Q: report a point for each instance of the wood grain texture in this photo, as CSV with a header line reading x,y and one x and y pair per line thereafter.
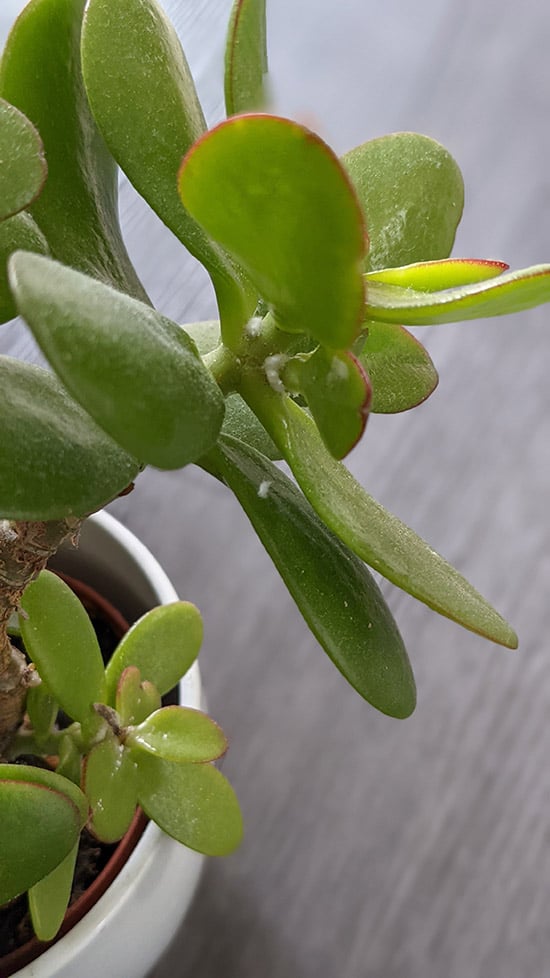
x,y
378,848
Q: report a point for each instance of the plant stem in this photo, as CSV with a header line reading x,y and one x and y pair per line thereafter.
x,y
25,548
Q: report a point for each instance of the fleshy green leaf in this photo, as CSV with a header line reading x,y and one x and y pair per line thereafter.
x,y
430,276
508,293
42,710
137,373
338,392
18,233
401,370
23,170
246,57
144,101
179,734
376,536
110,782
39,829
163,644
55,460
77,211
333,589
135,700
49,898
276,198
193,803
41,815
61,641
412,194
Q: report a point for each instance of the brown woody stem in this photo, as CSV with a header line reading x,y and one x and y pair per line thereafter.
x,y
25,548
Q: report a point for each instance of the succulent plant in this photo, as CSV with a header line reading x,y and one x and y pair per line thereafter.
x,y
319,265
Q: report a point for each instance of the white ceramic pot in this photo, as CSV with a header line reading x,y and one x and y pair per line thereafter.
x,y
127,930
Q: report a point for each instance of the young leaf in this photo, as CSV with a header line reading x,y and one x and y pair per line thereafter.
x,y
61,641
137,373
338,392
110,783
23,169
246,57
412,194
77,211
430,276
49,898
193,803
275,196
42,710
39,828
163,644
374,534
508,293
333,589
144,101
55,461
179,734
400,369
135,700
18,233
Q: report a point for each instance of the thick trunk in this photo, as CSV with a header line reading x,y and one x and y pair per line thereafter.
x,y
25,547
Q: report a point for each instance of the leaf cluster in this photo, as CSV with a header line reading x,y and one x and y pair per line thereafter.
x,y
121,748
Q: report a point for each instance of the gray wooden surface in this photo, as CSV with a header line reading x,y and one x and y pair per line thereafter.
x,y
377,848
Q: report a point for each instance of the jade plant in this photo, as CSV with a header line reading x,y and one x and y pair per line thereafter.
x,y
318,266
121,747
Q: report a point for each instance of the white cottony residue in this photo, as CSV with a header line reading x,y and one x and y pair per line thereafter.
x,y
263,489
273,366
253,326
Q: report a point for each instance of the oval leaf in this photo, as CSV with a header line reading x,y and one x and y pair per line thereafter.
x,y
144,101
135,700
412,195
401,370
19,233
163,644
274,195
179,734
110,783
334,591
39,828
137,373
193,803
23,169
77,211
338,392
60,639
508,293
374,534
246,57
49,898
55,460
